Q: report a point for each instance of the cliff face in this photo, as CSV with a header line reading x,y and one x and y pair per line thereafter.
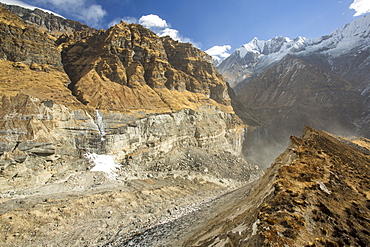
x,y
315,194
125,92
130,68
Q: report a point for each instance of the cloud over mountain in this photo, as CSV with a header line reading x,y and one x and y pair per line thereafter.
x,y
219,52
152,21
158,25
360,6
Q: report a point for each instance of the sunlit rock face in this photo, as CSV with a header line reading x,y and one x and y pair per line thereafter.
x,y
124,92
128,68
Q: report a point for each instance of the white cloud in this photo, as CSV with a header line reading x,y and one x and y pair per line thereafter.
x,y
174,34
152,21
158,25
360,6
218,52
93,14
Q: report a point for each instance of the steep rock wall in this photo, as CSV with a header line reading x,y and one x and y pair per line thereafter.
x,y
43,142
126,93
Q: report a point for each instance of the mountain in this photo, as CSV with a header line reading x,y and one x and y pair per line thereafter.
x,y
294,93
46,21
349,42
118,126
286,84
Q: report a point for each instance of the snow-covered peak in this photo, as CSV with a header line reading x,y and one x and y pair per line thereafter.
x,y
254,46
344,38
359,28
263,47
352,35
257,55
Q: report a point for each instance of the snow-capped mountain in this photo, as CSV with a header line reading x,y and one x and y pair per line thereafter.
x,y
256,56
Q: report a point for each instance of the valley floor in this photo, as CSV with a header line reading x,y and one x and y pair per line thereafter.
x,y
89,210
178,231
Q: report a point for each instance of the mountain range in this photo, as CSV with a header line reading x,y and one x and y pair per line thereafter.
x,y
346,43
286,84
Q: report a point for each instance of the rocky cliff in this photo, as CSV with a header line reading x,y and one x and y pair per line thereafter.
x,y
130,68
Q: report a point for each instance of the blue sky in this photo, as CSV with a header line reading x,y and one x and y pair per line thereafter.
x,y
224,24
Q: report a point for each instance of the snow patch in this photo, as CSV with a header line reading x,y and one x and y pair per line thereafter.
x,y
28,6
103,163
240,228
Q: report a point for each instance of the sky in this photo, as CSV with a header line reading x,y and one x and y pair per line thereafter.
x,y
215,26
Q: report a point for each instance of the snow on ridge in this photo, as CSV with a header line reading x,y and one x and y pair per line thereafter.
x,y
27,6
344,39
265,47
333,44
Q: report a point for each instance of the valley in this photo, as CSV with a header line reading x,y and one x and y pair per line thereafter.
x,y
120,137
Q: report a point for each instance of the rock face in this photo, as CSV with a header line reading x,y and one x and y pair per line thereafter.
x,y
125,92
129,68
315,194
20,42
294,93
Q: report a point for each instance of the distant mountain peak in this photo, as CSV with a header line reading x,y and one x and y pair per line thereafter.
x,y
263,47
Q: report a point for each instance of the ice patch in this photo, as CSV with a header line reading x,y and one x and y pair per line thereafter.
x,y
103,163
